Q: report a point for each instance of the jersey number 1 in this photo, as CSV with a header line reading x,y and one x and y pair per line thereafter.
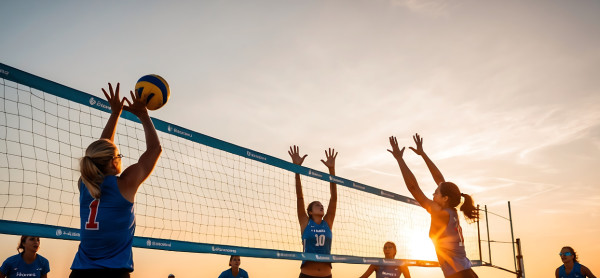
x,y
91,224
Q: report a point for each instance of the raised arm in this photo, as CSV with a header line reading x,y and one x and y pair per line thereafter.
x,y
409,177
435,172
137,173
330,163
302,216
116,107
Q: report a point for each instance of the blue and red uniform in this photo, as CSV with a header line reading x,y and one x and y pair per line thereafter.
x,y
107,229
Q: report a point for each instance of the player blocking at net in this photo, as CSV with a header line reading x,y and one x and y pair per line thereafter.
x,y
444,230
315,225
106,200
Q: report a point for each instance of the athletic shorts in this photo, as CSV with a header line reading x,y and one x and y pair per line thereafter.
x,y
99,273
467,273
302,275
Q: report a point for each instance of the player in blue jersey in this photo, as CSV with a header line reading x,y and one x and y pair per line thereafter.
x,y
315,225
106,200
28,263
571,267
445,230
387,271
235,271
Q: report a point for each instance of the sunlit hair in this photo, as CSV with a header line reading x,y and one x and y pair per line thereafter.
x,y
468,208
21,247
231,258
394,245
309,208
572,252
98,157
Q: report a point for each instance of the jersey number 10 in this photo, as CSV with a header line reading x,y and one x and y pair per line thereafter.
x,y
320,239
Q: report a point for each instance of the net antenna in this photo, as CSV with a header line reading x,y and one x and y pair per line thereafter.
x,y
501,243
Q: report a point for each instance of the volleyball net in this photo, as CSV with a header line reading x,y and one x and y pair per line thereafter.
x,y
205,195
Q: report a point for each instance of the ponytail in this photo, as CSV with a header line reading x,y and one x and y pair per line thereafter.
x,y
452,191
98,156
469,210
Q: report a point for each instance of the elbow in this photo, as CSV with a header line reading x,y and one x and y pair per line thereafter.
x,y
155,150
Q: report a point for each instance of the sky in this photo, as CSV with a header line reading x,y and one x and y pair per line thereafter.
x,y
505,94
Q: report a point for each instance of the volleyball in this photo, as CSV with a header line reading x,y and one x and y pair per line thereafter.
x,y
153,90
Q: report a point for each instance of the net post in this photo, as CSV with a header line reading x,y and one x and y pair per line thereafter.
x,y
479,234
487,224
520,265
512,234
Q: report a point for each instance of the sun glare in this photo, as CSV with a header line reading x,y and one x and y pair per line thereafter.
x,y
420,247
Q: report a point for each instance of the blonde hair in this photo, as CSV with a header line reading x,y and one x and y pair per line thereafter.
x,y
98,157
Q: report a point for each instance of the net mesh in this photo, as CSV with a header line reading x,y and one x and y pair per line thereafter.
x,y
196,193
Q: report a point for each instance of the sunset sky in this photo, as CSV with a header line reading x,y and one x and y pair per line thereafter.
x,y
505,93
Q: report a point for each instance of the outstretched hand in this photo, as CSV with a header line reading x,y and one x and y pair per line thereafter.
x,y
136,106
419,143
116,103
331,155
396,151
294,152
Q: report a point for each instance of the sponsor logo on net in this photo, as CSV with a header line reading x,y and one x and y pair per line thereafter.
x,y
370,261
355,185
60,232
94,102
178,131
219,249
314,174
333,179
285,255
157,243
322,257
257,156
4,72
340,259
383,193
390,261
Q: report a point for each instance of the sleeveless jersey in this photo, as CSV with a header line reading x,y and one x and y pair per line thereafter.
x,y
388,271
229,274
107,229
16,267
575,272
450,248
316,238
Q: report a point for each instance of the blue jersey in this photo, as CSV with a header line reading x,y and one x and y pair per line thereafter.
x,y
229,274
450,247
388,271
107,229
575,272
16,267
316,238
